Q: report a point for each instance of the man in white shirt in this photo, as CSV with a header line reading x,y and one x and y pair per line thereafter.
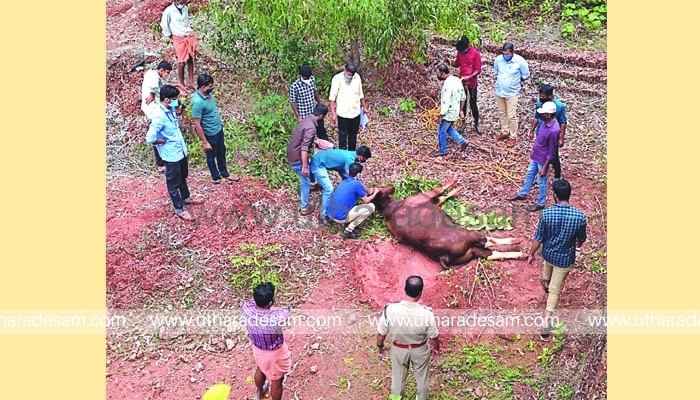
x,y
153,81
175,24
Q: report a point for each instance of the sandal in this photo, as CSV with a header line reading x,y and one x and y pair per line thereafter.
x,y
185,215
255,394
232,179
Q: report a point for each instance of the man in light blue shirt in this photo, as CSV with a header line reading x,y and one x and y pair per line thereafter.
x,y
510,70
164,132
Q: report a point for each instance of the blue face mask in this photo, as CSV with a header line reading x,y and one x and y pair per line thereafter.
x,y
174,103
208,90
507,57
464,51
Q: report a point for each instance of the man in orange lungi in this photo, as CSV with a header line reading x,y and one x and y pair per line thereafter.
x,y
175,23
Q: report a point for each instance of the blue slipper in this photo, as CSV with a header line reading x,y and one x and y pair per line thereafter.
x,y
255,394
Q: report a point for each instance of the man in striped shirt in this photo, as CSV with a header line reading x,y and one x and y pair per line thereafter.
x,y
264,325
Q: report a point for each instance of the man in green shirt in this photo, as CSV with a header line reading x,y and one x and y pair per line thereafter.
x,y
207,124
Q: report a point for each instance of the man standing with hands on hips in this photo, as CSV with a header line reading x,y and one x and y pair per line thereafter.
x,y
410,325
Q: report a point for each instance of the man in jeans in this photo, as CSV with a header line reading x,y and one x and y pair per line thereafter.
x,y
342,208
153,80
264,325
452,98
207,124
338,160
543,152
164,132
298,152
546,93
510,70
561,230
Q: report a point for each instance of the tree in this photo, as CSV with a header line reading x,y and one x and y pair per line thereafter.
x,y
288,33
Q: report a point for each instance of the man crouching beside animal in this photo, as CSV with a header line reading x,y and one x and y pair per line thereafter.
x,y
421,223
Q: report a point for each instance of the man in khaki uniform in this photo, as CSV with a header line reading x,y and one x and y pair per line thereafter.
x,y
410,325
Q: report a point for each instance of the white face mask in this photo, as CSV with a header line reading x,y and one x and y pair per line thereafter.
x,y
179,6
307,81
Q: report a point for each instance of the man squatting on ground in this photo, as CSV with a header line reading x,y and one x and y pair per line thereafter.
x,y
342,208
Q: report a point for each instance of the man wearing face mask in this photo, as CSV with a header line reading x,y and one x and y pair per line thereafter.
x,y
546,93
469,62
175,23
510,70
452,98
164,133
207,124
346,97
303,96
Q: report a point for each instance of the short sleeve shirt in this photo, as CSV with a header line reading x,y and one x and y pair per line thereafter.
x,y
205,109
303,95
344,198
407,322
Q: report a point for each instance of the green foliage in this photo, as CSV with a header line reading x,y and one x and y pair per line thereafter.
x,y
272,128
279,35
409,185
596,265
406,105
463,215
385,111
591,14
252,266
565,392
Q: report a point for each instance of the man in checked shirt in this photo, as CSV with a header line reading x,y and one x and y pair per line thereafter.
x,y
561,230
264,325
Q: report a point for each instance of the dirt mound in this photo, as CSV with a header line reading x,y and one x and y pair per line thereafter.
x,y
380,271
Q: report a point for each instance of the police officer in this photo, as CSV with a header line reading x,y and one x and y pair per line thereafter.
x,y
410,325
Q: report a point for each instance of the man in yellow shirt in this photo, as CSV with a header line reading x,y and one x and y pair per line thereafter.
x,y
346,98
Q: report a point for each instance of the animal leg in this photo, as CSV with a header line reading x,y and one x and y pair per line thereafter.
x,y
492,241
444,198
507,255
443,260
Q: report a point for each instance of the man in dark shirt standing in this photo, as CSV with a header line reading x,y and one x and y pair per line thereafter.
x,y
561,230
298,152
264,325
543,153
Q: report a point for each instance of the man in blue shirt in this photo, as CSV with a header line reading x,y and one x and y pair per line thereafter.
x,y
342,208
164,132
207,124
339,160
546,93
510,70
561,230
